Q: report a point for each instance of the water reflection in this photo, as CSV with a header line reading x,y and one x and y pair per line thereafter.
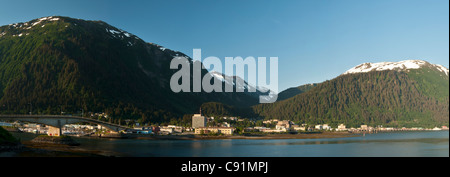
x,y
389,145
324,142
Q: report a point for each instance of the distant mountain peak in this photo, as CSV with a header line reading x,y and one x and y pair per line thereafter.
x,y
398,66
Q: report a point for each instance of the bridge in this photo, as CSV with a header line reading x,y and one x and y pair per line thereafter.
x,y
56,122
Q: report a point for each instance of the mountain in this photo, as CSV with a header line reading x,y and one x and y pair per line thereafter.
x,y
249,89
55,64
407,93
291,92
396,66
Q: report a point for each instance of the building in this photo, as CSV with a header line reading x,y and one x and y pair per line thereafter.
x,y
177,129
285,124
326,127
273,130
341,128
364,128
270,121
261,128
198,120
318,127
220,130
166,130
300,128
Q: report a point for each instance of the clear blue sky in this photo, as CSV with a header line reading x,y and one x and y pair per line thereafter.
x,y
315,40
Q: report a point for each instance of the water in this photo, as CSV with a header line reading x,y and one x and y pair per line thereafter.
x,y
396,144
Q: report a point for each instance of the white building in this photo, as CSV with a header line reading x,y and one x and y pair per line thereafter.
x,y
300,128
341,128
272,131
166,129
318,127
226,124
364,127
326,127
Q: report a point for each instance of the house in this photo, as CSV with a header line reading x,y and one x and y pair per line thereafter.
x,y
283,125
364,128
318,127
280,127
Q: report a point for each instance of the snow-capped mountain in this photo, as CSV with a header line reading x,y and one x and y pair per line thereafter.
x,y
79,63
233,80
24,29
398,66
240,83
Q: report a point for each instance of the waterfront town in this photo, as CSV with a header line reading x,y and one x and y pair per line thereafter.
x,y
208,126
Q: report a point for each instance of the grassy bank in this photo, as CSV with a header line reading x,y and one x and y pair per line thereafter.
x,y
6,137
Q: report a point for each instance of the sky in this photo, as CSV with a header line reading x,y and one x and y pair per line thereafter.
x,y
314,40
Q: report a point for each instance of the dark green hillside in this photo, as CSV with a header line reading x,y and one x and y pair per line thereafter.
x,y
59,63
431,82
215,109
6,138
291,92
388,98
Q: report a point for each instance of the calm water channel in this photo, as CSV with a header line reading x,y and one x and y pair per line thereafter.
x,y
396,144
410,144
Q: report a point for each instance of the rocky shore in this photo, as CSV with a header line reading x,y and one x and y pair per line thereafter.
x,y
46,146
61,140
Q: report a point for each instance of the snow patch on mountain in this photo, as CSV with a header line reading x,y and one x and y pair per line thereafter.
x,y
28,26
441,68
241,84
402,65
218,76
44,19
119,34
